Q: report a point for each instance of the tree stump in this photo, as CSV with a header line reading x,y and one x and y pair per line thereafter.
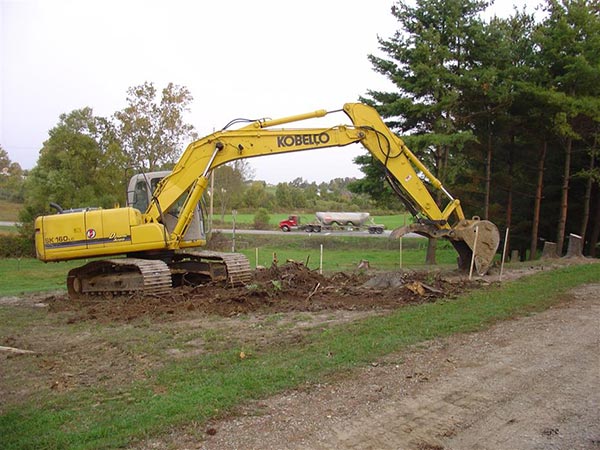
x,y
514,255
549,251
575,248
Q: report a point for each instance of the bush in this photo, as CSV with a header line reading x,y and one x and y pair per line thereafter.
x,y
16,246
218,242
262,219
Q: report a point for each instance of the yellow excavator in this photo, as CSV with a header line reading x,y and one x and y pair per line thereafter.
x,y
161,229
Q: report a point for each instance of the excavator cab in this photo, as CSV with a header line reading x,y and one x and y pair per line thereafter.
x,y
139,196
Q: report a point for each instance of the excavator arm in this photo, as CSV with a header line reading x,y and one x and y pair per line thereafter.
x,y
190,175
404,170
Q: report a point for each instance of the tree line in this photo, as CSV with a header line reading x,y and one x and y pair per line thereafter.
x,y
506,112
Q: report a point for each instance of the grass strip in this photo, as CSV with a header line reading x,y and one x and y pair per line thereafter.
x,y
22,275
200,388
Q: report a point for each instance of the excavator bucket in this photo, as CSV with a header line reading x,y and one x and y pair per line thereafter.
x,y
469,237
475,237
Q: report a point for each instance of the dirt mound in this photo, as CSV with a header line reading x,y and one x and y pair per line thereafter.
x,y
289,287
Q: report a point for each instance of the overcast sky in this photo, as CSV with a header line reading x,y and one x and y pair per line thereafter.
x,y
251,59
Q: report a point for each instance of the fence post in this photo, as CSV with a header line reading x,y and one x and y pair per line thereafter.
x,y
400,252
321,261
503,254
474,252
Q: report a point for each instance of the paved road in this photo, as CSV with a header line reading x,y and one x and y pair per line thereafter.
x,y
7,224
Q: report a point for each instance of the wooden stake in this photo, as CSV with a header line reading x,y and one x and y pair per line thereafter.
x,y
503,254
321,261
474,252
400,252
15,350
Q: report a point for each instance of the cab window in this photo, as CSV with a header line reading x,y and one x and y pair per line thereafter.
x,y
140,196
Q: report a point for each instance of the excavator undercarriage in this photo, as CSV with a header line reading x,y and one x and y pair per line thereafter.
x,y
126,276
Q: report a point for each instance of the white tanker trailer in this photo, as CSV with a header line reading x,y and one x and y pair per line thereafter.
x,y
351,219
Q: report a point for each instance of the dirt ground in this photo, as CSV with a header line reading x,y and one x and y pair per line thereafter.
x,y
103,342
531,383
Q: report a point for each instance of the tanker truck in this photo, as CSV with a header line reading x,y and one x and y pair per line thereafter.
x,y
331,221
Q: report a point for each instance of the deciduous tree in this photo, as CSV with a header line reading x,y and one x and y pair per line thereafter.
x,y
153,131
11,178
73,168
80,165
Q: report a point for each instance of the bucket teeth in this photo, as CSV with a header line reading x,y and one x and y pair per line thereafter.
x,y
474,236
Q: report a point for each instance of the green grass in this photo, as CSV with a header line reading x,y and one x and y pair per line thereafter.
x,y
246,219
30,275
343,260
9,211
200,388
8,229
340,253
393,221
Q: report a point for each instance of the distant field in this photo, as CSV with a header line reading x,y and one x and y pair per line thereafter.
x,y
8,230
9,211
30,275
